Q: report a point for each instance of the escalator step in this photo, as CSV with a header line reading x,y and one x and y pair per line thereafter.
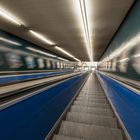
x,y
92,104
89,132
93,100
91,93
90,116
91,119
62,137
91,110
92,96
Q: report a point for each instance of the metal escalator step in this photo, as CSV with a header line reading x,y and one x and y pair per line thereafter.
x,y
91,119
95,94
92,104
62,137
92,96
91,91
89,132
91,110
92,100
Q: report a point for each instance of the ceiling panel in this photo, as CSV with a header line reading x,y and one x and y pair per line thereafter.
x,y
56,20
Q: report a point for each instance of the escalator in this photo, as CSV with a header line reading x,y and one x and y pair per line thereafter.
x,y
90,117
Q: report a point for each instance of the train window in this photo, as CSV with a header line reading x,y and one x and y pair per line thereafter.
x,y
3,64
1,60
48,64
40,63
53,65
14,60
58,65
30,62
62,65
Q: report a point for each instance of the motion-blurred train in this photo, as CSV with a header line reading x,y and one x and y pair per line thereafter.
x,y
18,55
124,61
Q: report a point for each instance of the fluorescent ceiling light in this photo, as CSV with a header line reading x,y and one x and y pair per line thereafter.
x,y
136,55
62,50
9,41
85,20
76,59
123,60
41,52
41,37
9,17
65,52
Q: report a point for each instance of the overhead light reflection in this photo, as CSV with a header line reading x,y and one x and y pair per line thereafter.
x,y
65,52
41,37
136,55
8,16
82,8
9,41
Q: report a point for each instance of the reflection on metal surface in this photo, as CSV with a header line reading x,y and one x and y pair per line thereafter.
x,y
41,37
11,42
65,52
83,9
5,14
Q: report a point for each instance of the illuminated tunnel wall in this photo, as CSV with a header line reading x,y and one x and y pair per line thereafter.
x,y
123,54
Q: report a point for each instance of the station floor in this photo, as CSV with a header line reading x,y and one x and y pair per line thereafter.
x,y
90,117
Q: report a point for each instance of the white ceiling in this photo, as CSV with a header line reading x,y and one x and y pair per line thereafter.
x,y
56,20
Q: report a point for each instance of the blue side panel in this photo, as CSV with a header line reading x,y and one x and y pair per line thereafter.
x,y
19,78
33,118
126,103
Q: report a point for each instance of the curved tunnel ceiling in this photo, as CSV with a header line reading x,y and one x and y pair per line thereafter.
x,y
58,21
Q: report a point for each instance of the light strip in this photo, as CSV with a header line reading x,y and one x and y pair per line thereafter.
x,y
41,52
136,55
76,59
9,17
86,27
62,50
65,52
123,60
41,37
9,41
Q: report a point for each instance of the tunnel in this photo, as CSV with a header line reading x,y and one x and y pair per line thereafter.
x,y
69,70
